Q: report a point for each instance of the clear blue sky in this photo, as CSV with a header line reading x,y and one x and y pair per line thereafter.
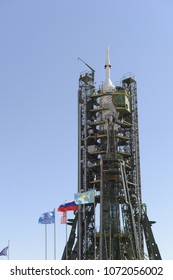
x,y
40,42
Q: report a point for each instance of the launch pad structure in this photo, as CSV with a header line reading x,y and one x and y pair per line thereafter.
x,y
116,225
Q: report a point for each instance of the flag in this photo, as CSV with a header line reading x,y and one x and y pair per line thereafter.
x,y
64,218
68,206
47,218
85,197
4,251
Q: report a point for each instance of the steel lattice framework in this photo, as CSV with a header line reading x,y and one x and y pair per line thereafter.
x,y
116,225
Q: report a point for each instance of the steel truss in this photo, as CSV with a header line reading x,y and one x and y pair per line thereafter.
x,y
116,225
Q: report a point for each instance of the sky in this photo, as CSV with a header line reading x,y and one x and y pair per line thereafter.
x,y
40,42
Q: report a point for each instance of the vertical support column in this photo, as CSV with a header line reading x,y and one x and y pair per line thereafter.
x,y
101,209
86,84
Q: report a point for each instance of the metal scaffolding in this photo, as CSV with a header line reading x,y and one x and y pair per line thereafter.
x,y
115,226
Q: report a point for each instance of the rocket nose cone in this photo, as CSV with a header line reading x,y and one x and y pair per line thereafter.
x,y
107,57
108,85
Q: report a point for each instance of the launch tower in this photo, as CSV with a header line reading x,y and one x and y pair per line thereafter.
x,y
115,226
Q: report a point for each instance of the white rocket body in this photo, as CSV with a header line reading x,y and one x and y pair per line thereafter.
x,y
108,85
106,100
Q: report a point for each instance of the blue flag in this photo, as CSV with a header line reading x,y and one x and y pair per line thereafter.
x,y
85,197
47,218
4,251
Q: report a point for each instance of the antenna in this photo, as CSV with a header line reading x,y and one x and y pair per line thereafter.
x,y
87,65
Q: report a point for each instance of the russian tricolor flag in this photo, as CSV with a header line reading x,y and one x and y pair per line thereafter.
x,y
68,206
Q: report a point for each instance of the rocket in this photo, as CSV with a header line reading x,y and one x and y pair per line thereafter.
x,y
107,85
106,100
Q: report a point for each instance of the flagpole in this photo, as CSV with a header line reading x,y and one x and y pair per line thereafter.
x,y
55,235
8,250
66,239
45,241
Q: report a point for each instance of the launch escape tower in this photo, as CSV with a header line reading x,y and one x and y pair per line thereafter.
x,y
115,226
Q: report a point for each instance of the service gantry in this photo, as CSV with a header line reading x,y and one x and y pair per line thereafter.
x,y
116,226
